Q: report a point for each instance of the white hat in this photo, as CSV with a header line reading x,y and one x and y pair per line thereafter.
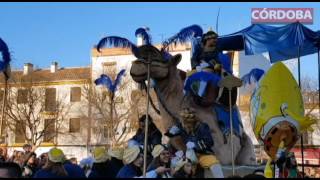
x,y
116,153
157,150
131,154
100,155
56,155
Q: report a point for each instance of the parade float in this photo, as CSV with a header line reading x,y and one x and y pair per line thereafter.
x,y
277,113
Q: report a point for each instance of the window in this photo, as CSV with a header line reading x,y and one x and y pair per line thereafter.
x,y
1,95
110,68
19,133
75,94
22,96
49,128
105,131
3,127
50,102
74,125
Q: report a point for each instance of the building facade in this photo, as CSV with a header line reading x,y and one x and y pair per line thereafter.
x,y
83,125
44,90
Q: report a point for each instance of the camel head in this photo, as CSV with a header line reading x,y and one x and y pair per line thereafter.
x,y
161,64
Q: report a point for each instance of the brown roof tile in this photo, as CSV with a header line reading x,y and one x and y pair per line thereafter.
x,y
44,76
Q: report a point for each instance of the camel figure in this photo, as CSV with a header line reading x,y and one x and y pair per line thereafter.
x,y
169,90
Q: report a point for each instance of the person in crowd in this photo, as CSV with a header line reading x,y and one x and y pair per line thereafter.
x,y
43,158
291,166
13,156
161,158
27,148
30,167
28,152
183,169
19,158
115,163
54,166
73,160
100,166
154,135
86,165
197,137
3,154
10,170
133,160
73,169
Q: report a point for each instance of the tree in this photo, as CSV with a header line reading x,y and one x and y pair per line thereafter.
x,y
112,108
310,95
34,113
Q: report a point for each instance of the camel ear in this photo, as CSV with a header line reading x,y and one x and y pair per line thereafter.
x,y
176,59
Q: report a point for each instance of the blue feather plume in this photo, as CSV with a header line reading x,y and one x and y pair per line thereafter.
x,y
253,76
184,35
105,81
6,58
118,79
143,32
116,41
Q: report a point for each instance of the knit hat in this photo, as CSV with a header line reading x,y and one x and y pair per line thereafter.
x,y
56,155
130,154
100,155
157,150
116,153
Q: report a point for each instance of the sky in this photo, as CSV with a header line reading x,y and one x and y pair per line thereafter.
x,y
41,33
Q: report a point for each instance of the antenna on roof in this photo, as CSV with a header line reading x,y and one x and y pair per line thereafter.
x,y
217,21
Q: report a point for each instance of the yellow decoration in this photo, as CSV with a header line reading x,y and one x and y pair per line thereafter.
x,y
268,173
277,110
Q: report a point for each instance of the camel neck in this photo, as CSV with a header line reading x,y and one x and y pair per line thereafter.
x,y
170,95
171,86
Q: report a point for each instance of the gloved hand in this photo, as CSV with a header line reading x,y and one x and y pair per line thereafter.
x,y
190,154
174,130
179,154
190,145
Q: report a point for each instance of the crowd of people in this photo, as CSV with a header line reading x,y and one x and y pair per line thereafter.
x,y
109,163
163,160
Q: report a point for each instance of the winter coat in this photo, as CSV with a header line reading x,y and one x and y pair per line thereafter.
x,y
74,170
129,171
114,166
47,174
